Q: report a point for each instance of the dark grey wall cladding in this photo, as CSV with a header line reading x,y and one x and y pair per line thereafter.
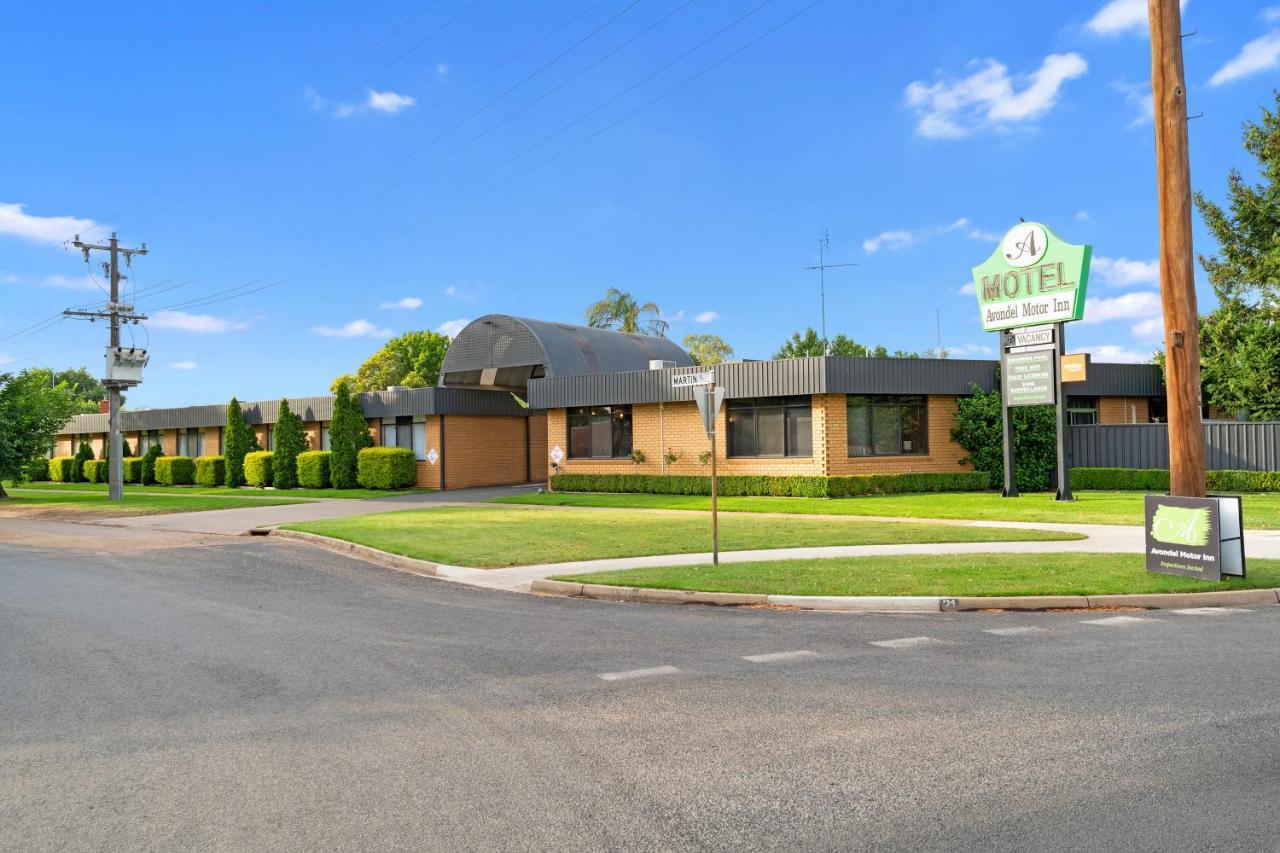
x,y
378,404
1228,446
908,375
1120,380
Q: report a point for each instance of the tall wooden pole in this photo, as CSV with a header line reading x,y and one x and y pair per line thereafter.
x,y
1177,273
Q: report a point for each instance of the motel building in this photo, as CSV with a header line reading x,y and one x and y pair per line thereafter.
x,y
520,399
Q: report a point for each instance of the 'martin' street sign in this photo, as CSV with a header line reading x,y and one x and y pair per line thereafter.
x,y
689,380
1033,277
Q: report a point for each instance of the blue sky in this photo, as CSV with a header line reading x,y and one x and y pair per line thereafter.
x,y
411,165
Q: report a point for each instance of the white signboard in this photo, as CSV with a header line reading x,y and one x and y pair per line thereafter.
x,y
432,456
1033,336
557,454
689,380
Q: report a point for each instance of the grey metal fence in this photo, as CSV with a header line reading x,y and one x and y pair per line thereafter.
x,y
1228,445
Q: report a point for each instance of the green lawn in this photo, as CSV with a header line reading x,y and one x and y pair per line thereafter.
x,y
218,490
951,575
1261,511
133,504
492,537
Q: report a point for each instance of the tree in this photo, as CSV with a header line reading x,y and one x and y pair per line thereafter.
x,y
87,391
620,311
31,414
707,349
149,458
1240,340
290,441
978,430
808,343
348,435
83,454
413,360
237,440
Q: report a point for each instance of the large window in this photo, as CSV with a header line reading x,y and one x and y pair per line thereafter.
x,y
770,426
1082,411
600,432
887,425
191,442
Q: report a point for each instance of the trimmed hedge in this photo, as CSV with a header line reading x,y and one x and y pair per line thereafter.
x,y
386,468
175,470
1157,480
749,485
36,471
313,469
211,470
96,471
60,468
258,470
132,469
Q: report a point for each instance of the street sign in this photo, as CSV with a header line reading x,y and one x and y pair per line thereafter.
x,y
689,380
1028,378
1075,367
709,400
1033,277
432,456
1194,537
557,454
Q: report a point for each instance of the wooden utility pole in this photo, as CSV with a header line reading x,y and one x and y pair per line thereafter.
x,y
1177,273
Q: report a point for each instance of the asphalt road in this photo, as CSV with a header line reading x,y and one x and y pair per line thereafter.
x,y
246,694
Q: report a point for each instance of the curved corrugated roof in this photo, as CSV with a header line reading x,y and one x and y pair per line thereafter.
x,y
502,350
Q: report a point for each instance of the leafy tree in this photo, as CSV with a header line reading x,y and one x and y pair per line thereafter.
x,y
809,343
619,310
413,359
237,440
86,390
707,349
31,414
1240,340
290,441
978,430
83,454
149,464
348,435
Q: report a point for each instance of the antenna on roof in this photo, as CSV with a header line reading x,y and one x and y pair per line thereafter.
x,y
824,246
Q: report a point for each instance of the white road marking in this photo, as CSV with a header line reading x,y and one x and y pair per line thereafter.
x,y
775,657
1014,632
905,642
1210,611
1118,620
637,673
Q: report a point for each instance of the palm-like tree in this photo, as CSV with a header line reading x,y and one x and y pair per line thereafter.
x,y
619,310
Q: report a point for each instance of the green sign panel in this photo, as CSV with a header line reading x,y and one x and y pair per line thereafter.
x,y
1030,378
1032,277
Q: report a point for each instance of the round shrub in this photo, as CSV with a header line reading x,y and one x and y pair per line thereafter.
x,y
175,470
258,470
95,471
313,469
386,468
149,464
60,469
37,471
211,471
132,469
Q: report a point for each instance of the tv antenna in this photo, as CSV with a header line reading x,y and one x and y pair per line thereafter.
x,y
824,246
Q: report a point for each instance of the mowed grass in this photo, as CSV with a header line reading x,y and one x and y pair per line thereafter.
x,y
219,491
492,537
950,575
1261,511
133,504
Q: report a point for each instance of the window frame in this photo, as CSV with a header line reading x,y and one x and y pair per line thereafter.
x,y
1071,410
882,401
742,409
621,430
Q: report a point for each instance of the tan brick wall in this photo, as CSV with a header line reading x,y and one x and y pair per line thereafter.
x,y
64,447
169,442
212,441
1123,410
943,454
428,474
311,430
537,429
484,451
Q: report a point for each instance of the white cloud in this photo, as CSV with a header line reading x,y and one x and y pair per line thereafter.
x,y
891,240
1122,272
409,303
1138,95
389,102
950,109
1261,54
677,317
984,236
452,327
1121,17
68,282
1140,305
958,224
197,323
1149,330
968,289
314,99
442,70
1115,353
1271,14
10,278
1083,216
184,365
969,350
706,316
451,290
355,329
6,359
41,229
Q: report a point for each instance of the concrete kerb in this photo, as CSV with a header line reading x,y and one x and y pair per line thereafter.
x,y
850,603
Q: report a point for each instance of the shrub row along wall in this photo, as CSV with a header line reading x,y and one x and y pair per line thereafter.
x,y
1157,480
734,485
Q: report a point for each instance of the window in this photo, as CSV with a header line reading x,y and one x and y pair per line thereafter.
x,y
388,433
191,442
419,440
324,435
271,437
149,439
770,426
404,431
1082,411
600,432
887,425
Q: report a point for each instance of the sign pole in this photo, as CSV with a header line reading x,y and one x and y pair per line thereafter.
x,y
1064,468
1010,489
715,518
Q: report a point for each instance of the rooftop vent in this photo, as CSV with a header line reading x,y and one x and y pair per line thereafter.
x,y
660,364
397,387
